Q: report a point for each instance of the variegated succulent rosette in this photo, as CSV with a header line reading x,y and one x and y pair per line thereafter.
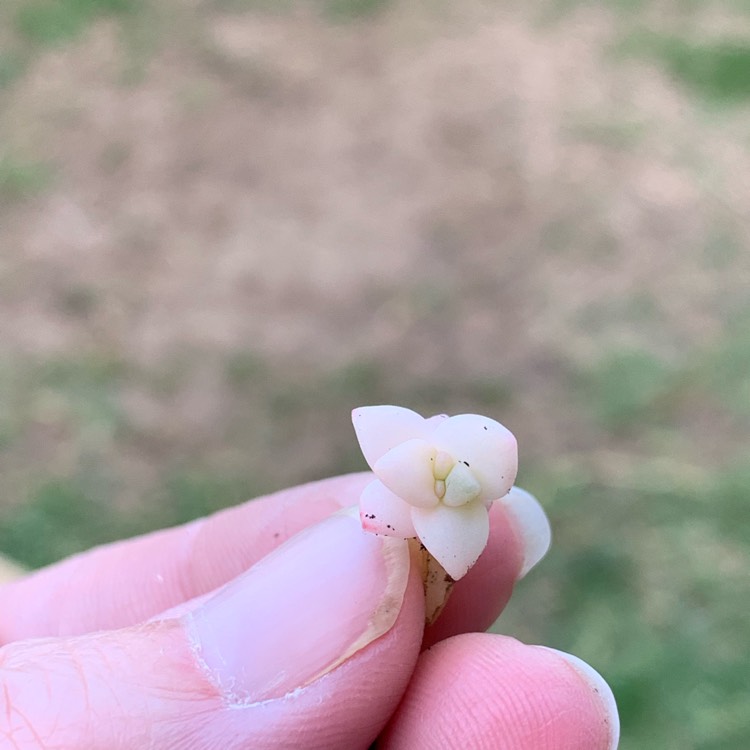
x,y
436,479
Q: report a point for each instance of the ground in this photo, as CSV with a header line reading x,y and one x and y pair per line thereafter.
x,y
225,223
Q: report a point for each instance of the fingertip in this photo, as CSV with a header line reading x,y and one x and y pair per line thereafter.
x,y
601,689
480,690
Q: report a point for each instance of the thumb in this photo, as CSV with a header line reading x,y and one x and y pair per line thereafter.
x,y
312,647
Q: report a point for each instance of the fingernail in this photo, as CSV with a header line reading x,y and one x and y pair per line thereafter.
x,y
301,611
603,693
532,525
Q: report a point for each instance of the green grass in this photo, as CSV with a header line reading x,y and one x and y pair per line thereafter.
x,y
245,368
550,12
12,67
189,493
85,392
49,22
60,517
726,371
75,398
716,70
64,515
21,179
625,389
713,69
722,249
344,10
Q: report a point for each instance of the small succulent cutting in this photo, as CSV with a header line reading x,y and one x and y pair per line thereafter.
x,y
435,479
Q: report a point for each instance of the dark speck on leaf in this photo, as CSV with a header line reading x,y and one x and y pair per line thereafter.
x,y
465,463
485,427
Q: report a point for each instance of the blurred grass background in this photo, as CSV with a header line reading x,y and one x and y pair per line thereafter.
x,y
226,223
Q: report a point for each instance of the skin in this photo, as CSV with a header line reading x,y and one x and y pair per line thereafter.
x,y
99,651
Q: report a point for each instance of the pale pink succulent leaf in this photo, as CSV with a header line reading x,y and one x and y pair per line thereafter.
x,y
528,516
382,512
406,470
381,428
485,447
455,537
431,423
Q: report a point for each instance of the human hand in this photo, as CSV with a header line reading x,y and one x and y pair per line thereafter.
x,y
205,637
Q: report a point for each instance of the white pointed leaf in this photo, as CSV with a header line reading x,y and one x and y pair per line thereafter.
x,y
461,486
382,512
489,449
380,428
406,470
455,537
